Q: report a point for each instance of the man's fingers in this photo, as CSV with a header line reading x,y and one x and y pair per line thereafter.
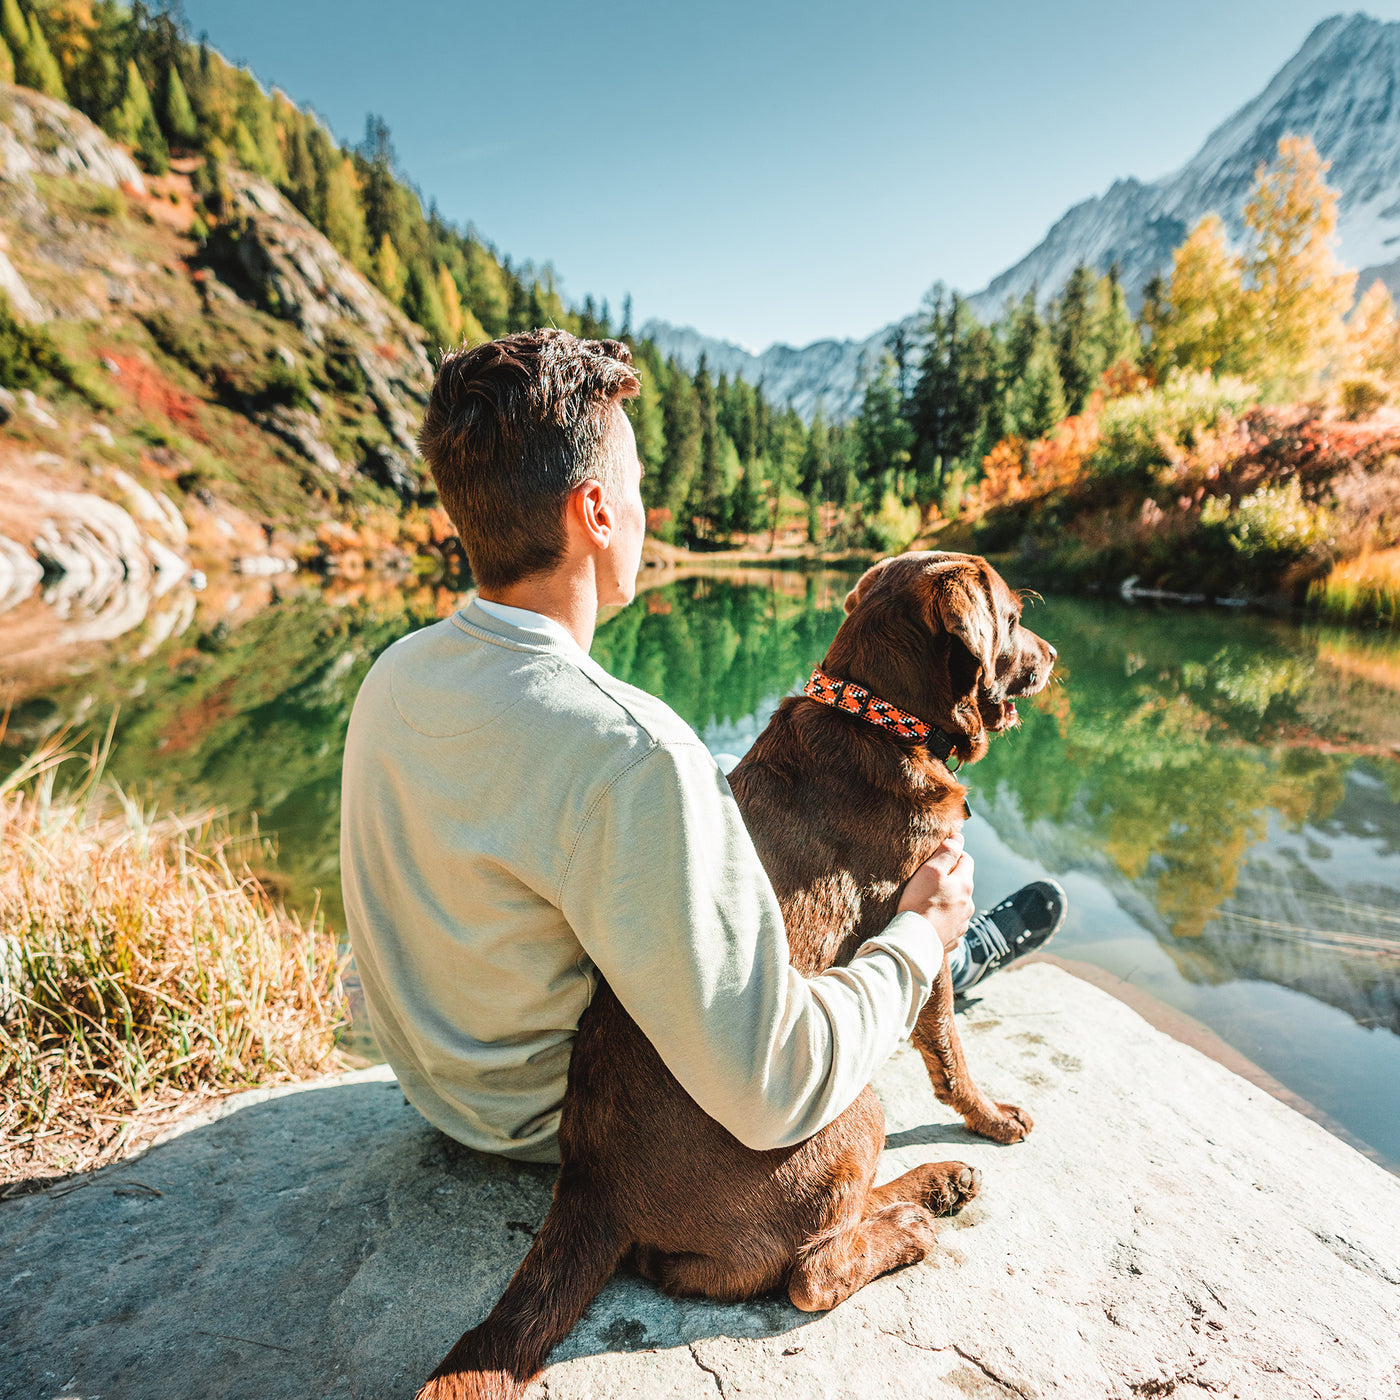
x,y
946,856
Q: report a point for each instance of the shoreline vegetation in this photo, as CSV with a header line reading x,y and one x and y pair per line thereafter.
x,y
143,968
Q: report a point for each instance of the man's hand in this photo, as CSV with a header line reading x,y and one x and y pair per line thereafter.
x,y
941,890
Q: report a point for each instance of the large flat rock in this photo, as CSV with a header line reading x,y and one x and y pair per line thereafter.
x,y
1167,1229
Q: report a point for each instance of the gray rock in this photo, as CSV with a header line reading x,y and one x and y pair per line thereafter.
x,y
1167,1229
389,469
301,430
41,134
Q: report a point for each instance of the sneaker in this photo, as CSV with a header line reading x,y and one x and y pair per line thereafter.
x,y
1022,923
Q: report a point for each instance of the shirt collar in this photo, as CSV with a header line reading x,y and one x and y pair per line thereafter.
x,y
537,627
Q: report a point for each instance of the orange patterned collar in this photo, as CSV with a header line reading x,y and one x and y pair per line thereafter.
x,y
856,700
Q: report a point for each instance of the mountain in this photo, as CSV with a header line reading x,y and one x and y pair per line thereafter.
x,y
829,372
1342,88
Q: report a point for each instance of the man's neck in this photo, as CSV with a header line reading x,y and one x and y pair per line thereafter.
x,y
568,596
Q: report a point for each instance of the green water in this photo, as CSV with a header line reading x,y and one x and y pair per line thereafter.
x,y
1219,794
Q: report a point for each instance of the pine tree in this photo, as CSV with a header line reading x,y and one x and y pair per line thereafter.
x,y
707,493
14,29
134,122
1070,331
1113,334
34,61
303,186
683,430
343,218
1299,291
1036,401
180,123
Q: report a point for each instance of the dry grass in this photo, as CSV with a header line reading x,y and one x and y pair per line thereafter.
x,y
142,967
1365,587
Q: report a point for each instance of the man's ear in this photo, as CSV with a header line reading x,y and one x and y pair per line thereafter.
x,y
588,504
961,604
853,597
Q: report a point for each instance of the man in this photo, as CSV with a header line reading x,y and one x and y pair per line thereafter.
x,y
516,822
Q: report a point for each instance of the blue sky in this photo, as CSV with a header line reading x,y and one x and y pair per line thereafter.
x,y
769,170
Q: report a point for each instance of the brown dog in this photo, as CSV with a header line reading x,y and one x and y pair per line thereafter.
x,y
842,815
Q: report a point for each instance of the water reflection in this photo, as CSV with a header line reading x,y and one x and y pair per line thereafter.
x,y
1218,793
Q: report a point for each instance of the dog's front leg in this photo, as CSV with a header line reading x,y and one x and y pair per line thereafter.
x,y
937,1040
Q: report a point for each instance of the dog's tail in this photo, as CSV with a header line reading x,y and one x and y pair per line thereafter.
x,y
573,1256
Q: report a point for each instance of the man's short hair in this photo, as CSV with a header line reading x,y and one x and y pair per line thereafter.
x,y
511,428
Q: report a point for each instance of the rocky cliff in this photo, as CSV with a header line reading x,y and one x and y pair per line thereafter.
x,y
225,382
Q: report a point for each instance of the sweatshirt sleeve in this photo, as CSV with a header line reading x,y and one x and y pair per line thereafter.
x,y
667,896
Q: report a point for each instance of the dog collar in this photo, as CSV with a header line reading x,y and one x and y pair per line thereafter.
x,y
855,700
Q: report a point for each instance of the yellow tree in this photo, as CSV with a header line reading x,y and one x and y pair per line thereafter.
x,y
1298,291
1373,337
1205,323
389,271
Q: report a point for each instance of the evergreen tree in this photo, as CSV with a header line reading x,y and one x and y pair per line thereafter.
x,y
1113,334
885,437
1070,331
683,430
343,218
180,124
134,122
303,185
645,411
1036,401
423,303
708,497
14,29
35,65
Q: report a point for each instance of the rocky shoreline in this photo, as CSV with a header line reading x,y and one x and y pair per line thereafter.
x,y
1168,1229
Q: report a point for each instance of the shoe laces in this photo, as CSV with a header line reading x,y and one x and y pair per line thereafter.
x,y
989,936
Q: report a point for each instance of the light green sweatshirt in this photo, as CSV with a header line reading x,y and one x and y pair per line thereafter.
x,y
515,823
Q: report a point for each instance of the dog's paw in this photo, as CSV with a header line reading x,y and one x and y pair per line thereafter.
x,y
950,1186
1008,1124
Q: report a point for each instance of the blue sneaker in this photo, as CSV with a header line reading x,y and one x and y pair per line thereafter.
x,y
1022,923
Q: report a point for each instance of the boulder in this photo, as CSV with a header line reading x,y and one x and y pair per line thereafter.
x,y
1167,1229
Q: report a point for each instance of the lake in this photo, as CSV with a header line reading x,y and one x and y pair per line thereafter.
x,y
1219,794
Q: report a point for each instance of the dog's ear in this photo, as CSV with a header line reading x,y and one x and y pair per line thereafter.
x,y
853,597
961,602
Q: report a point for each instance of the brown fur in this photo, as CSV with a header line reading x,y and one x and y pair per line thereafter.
x,y
842,815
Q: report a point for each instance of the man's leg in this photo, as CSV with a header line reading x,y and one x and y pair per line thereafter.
x,y
1022,923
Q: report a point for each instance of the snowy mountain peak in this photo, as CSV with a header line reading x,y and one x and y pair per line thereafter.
x,y
1342,88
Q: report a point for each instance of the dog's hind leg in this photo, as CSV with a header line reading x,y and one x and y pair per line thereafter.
x,y
755,1265
937,1040
838,1263
941,1187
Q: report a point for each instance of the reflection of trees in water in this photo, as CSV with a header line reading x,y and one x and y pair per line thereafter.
x,y
249,720
1202,760
722,649
1200,756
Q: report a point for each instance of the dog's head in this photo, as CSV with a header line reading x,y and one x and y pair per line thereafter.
x,y
940,635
